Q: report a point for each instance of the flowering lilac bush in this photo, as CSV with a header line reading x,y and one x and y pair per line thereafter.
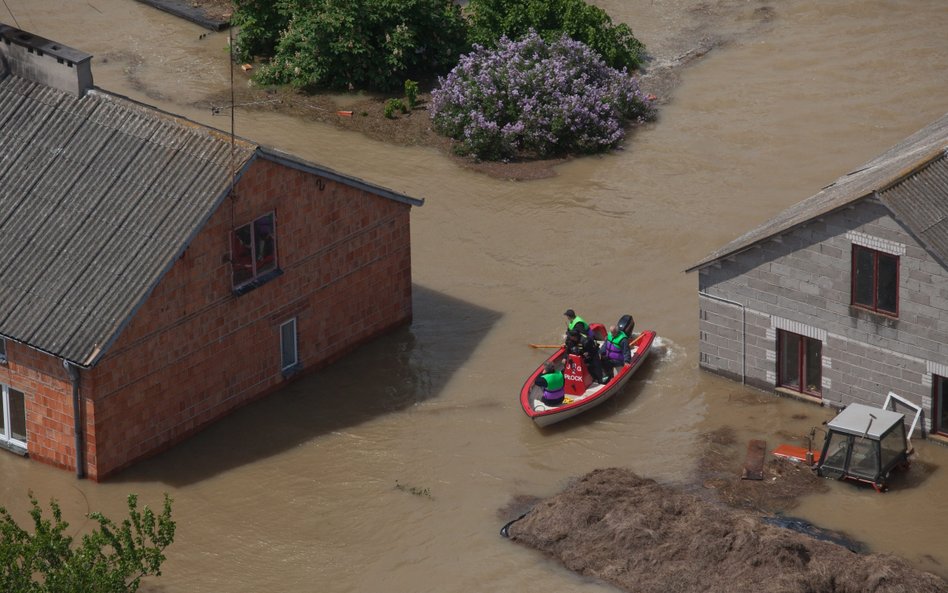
x,y
533,98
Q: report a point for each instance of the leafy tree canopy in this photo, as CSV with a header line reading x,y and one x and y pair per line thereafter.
x,y
492,19
346,44
260,23
111,559
532,98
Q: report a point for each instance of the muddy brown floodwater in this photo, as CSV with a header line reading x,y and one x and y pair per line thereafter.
x,y
386,471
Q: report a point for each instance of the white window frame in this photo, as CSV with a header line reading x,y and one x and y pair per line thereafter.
x,y
5,404
296,351
891,403
255,273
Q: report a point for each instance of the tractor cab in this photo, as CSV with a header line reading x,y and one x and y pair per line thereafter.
x,y
864,444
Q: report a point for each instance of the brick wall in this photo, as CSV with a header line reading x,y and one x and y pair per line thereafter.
x,y
47,391
194,351
800,282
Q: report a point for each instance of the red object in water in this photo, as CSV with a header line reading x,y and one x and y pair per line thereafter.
x,y
795,453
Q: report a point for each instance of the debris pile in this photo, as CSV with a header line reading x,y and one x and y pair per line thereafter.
x,y
647,538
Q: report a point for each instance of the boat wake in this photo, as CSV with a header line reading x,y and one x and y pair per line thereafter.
x,y
666,349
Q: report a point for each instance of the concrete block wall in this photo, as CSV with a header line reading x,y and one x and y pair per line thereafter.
x,y
800,281
195,351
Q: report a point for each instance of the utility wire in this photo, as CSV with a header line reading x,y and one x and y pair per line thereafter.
x,y
11,14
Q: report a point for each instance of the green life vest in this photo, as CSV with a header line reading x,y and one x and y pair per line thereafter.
x,y
577,320
617,339
554,380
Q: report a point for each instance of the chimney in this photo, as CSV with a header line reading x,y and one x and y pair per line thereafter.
x,y
34,58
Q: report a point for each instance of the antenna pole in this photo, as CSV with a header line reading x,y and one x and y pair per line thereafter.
x,y
233,107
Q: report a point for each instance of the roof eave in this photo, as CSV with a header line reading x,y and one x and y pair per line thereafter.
x,y
99,352
295,163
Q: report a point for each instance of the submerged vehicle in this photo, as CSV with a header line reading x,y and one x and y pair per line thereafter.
x,y
865,444
582,393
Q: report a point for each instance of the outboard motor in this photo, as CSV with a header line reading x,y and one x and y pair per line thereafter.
x,y
626,324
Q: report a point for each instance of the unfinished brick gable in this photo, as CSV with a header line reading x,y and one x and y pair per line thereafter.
x,y
195,350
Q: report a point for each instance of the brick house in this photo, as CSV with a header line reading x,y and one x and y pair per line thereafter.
x,y
159,273
843,297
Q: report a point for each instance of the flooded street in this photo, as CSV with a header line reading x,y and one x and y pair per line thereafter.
x,y
386,471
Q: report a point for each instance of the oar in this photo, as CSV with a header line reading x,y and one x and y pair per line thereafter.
x,y
546,345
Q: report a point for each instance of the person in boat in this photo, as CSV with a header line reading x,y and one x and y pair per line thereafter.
x,y
587,348
575,322
574,342
593,358
553,383
615,352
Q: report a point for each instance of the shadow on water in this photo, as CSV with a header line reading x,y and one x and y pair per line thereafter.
x,y
396,371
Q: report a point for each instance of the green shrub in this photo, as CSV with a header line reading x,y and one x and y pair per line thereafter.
x,y
360,44
393,105
492,19
111,559
259,23
411,93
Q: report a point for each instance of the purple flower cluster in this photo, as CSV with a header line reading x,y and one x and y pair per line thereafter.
x,y
533,98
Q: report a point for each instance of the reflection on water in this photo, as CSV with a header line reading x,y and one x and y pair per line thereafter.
x,y
300,491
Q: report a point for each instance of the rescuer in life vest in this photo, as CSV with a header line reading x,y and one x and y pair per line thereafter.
x,y
587,349
553,383
574,322
615,352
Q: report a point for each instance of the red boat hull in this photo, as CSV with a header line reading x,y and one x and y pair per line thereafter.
x,y
542,415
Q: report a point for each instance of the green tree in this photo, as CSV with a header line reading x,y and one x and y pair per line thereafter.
x,y
492,19
111,559
259,23
347,44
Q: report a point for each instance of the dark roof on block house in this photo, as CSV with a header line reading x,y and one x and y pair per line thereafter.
x,y
910,179
99,196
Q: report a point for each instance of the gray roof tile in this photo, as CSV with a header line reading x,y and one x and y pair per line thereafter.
x,y
98,195
910,178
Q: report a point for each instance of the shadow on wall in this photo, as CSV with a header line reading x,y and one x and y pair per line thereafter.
x,y
409,365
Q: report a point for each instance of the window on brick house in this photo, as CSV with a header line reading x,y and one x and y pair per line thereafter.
x,y
875,280
253,250
800,363
13,418
940,405
288,354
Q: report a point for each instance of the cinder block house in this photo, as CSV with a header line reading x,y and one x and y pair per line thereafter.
x,y
158,274
843,297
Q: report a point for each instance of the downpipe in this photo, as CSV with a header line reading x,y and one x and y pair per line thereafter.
x,y
73,371
743,330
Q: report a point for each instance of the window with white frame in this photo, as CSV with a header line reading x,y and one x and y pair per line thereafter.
x,y
253,250
288,353
13,418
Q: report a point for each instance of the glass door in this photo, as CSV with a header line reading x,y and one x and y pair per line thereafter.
x,y
800,363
